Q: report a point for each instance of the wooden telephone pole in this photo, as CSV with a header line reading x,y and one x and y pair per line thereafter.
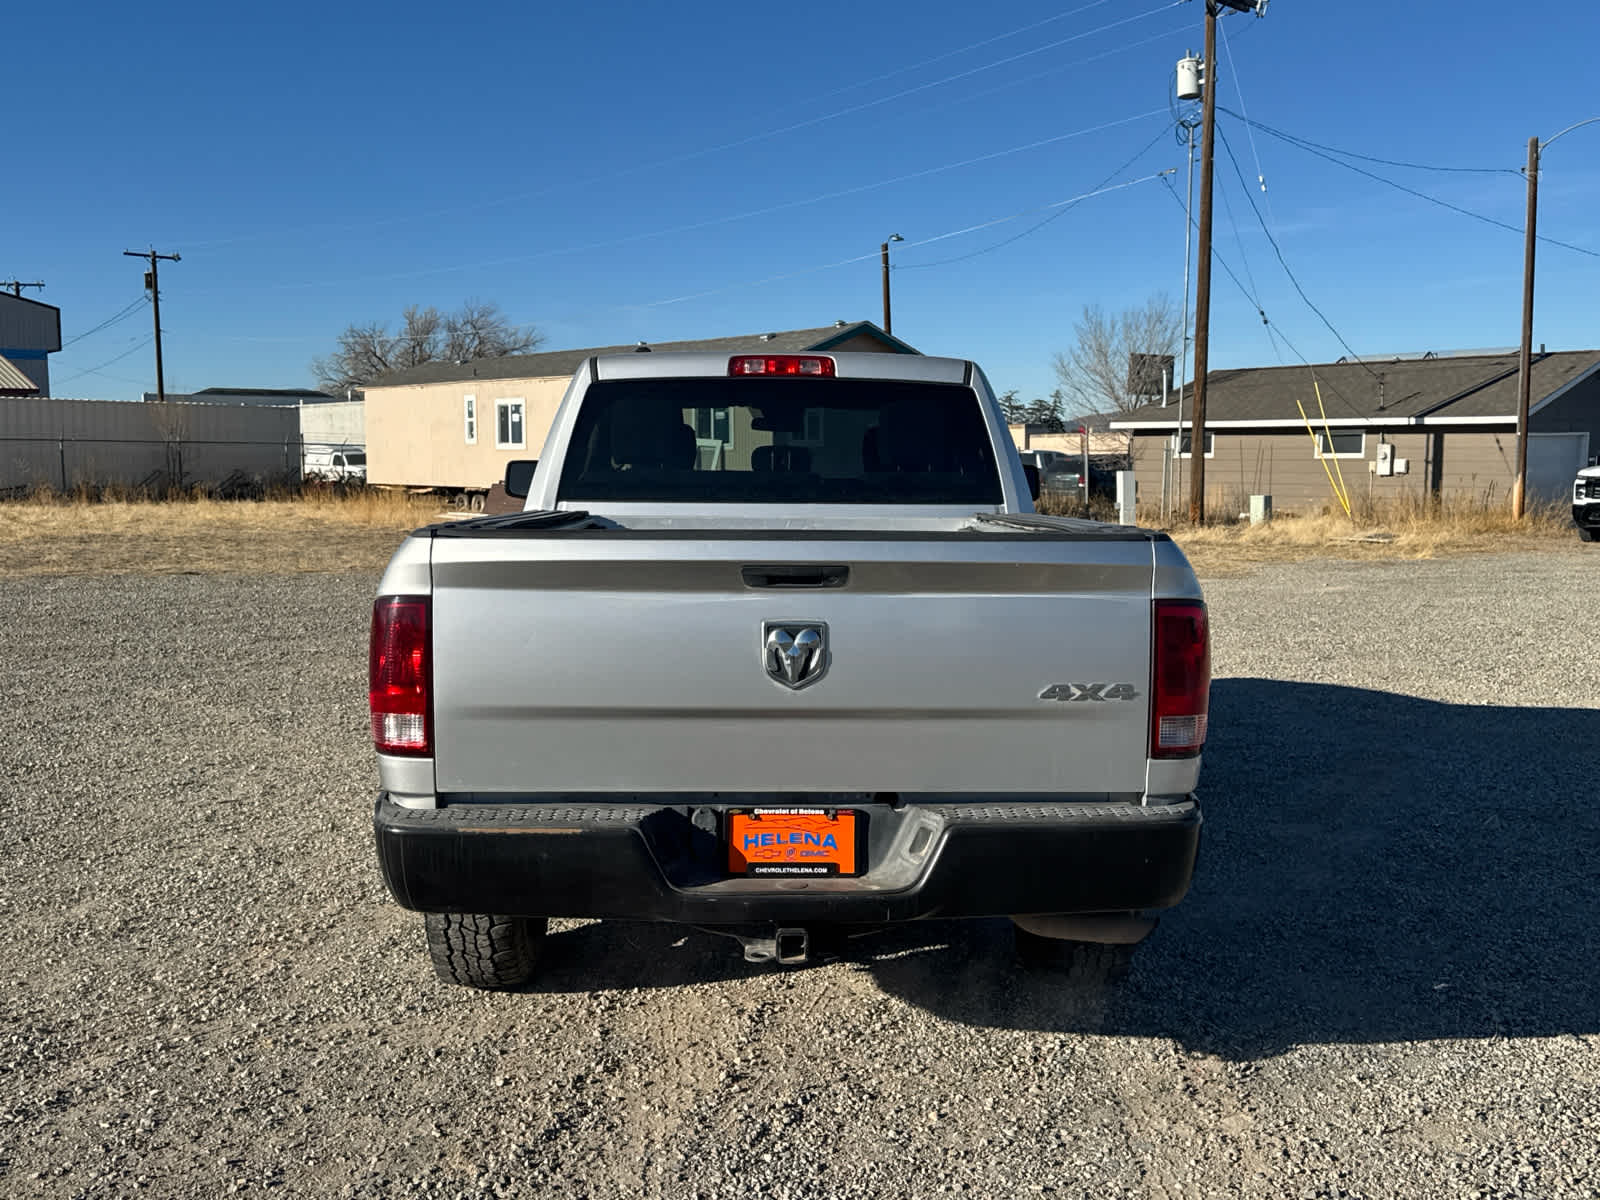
x,y
1536,149
1202,291
1519,492
152,280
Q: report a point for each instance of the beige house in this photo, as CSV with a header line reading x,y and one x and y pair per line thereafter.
x,y
1103,442
1392,428
457,425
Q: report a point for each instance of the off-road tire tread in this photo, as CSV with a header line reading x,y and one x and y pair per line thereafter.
x,y
484,951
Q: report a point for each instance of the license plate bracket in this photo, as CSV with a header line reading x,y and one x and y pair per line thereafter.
x,y
796,842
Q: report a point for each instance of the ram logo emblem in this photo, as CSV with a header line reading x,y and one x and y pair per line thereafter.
x,y
1097,692
795,652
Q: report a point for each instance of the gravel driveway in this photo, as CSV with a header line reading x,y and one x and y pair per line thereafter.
x,y
1384,983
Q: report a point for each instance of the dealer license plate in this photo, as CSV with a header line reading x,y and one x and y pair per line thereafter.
x,y
794,841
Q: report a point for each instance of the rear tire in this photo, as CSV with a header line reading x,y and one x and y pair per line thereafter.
x,y
1588,535
1078,962
483,951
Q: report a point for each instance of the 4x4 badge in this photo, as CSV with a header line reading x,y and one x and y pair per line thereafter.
x,y
795,652
1090,691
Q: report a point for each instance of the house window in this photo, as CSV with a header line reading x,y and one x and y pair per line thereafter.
x,y
1341,445
1182,442
814,426
470,407
508,425
711,425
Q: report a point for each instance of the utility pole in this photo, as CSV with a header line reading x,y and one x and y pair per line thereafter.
x,y
16,286
888,326
1202,288
1536,150
152,281
1188,89
1519,492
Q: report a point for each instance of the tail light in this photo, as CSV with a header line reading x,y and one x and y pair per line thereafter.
x,y
400,676
781,364
1180,687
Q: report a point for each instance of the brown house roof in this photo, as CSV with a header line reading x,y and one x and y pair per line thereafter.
x,y
1473,385
565,362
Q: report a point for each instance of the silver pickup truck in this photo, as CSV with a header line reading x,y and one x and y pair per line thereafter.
x,y
777,648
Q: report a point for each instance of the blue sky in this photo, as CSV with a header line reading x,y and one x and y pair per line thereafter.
x,y
616,172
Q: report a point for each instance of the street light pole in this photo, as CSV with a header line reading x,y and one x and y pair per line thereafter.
x,y
888,326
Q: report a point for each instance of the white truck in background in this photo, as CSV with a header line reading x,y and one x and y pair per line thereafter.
x,y
335,464
1586,503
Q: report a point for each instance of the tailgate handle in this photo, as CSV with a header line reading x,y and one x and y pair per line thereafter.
x,y
801,575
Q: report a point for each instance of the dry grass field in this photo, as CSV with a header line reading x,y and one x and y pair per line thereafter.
x,y
1396,533
49,535
1372,533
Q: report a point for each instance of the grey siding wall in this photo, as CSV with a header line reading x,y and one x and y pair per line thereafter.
x,y
62,443
28,325
1576,412
1469,464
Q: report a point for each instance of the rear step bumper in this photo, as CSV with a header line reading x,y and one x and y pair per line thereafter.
x,y
661,862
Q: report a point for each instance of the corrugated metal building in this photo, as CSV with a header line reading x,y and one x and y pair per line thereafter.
x,y
64,443
261,396
30,331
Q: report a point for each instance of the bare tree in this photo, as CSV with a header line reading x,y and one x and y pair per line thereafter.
x,y
171,421
477,330
480,330
1095,371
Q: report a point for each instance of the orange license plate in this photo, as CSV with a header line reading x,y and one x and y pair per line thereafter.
x,y
794,841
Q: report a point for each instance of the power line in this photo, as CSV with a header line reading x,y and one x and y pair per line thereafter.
x,y
737,143
120,315
1020,80
1307,143
948,54
1238,239
1255,303
694,226
844,262
1309,148
1282,262
1238,90
921,87
96,370
1065,206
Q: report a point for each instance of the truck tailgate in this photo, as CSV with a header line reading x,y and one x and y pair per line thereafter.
x,y
625,663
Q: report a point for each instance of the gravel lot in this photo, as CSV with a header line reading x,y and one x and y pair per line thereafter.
x,y
1383,984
